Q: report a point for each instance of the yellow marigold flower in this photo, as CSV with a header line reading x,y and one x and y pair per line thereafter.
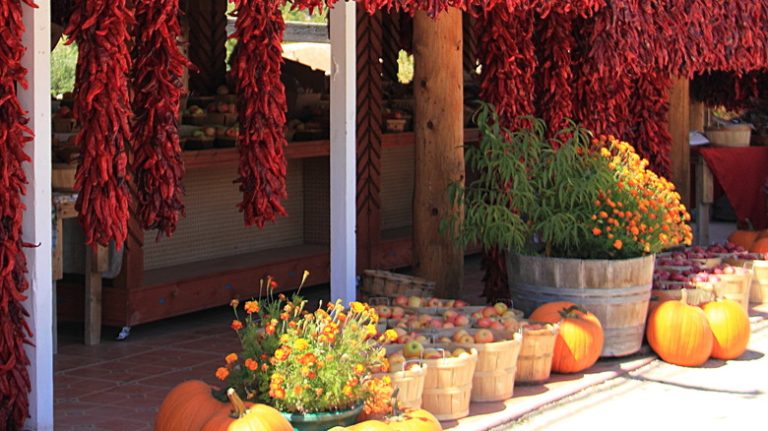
x,y
391,335
231,358
347,391
236,325
371,330
356,307
359,369
300,344
618,244
222,373
284,338
251,364
279,393
282,353
252,307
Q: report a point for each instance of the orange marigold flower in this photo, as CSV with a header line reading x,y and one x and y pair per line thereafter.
x,y
270,329
273,284
618,244
319,391
231,358
222,373
279,393
603,214
284,316
297,390
252,307
359,369
282,353
264,367
251,364
596,231
236,325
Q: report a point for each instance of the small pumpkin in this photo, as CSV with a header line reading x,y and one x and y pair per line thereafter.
x,y
679,333
188,406
730,328
580,337
238,417
743,238
759,246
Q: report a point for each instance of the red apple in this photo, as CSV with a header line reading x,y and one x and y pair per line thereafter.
x,y
401,300
461,320
397,312
459,303
489,312
483,322
450,316
448,325
434,302
496,325
383,311
431,353
459,334
414,301
483,336
500,308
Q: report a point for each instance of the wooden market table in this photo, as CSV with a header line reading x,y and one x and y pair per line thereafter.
x,y
741,172
96,262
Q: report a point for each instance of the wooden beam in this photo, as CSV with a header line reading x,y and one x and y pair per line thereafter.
x,y
95,263
343,157
35,99
207,21
679,128
439,133
704,200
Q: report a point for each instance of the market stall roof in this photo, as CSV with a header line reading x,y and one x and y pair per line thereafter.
x,y
315,55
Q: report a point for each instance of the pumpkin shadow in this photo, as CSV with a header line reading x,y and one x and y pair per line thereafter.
x,y
750,355
713,363
529,389
486,408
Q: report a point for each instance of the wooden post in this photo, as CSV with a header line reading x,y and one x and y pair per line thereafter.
x,y
37,226
343,148
207,45
679,127
96,262
439,134
704,200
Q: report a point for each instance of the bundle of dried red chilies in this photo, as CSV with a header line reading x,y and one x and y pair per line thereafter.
x,y
14,134
157,87
261,109
650,108
554,78
102,108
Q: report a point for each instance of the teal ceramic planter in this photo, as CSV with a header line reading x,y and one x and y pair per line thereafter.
x,y
322,421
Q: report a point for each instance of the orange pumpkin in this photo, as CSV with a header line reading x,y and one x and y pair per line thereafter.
x,y
743,238
730,328
759,246
408,420
580,338
679,333
188,406
238,417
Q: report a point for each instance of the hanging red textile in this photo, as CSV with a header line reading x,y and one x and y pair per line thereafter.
x,y
157,87
261,109
14,135
102,108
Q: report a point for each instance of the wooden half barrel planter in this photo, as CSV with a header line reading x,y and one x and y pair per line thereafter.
x,y
616,291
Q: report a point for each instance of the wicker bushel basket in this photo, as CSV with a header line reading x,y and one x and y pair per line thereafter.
x,y
494,378
758,292
448,386
409,384
735,287
534,363
378,283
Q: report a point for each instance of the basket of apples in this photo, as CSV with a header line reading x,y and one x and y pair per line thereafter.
x,y
432,305
726,250
448,380
497,352
407,377
731,282
758,263
696,254
668,285
377,283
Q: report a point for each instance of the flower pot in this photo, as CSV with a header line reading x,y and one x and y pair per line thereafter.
x,y
616,291
322,421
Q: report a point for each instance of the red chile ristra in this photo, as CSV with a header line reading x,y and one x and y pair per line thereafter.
x,y
14,135
157,87
102,108
261,108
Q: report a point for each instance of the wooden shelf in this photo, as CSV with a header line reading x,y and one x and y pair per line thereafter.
x,y
300,149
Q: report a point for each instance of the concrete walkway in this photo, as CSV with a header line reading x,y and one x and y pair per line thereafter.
x,y
721,395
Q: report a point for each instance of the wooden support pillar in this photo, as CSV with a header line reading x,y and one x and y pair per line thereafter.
x,y
679,127
207,38
704,200
96,262
439,135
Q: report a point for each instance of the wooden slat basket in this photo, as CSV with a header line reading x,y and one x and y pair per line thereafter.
x,y
377,283
448,386
409,384
758,291
494,378
534,362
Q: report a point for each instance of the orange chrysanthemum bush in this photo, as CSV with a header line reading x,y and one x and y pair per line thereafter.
x,y
563,194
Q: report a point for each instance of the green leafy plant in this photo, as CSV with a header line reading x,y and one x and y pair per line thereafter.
x,y
538,195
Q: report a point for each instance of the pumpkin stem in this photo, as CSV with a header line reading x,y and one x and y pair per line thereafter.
x,y
571,311
395,406
238,407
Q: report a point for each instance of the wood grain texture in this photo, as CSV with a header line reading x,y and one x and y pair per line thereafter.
x,y
439,153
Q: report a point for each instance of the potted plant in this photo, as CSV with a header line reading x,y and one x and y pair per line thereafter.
x,y
314,367
579,216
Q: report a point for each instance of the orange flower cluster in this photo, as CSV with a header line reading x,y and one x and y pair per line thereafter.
x,y
642,213
379,404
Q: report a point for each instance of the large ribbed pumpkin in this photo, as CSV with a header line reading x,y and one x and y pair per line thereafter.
x,y
237,417
409,420
188,406
759,246
580,337
679,333
730,328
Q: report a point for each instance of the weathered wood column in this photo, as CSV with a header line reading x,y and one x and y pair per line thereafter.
x,y
679,127
439,133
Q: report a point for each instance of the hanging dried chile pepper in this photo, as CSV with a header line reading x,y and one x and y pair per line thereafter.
x,y
554,78
261,109
157,87
14,135
650,107
102,108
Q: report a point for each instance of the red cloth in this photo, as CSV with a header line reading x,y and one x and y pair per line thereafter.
x,y
741,172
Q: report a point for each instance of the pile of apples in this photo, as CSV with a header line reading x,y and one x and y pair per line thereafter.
x,y
222,108
417,302
498,317
694,276
196,111
463,336
726,248
695,252
450,319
